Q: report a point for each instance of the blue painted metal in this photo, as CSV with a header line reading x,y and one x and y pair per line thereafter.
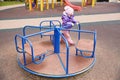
x,y
40,58
82,51
56,43
32,27
24,38
67,61
66,68
39,33
51,25
79,28
16,43
61,62
56,40
95,40
24,57
51,22
74,30
94,45
56,76
23,50
67,52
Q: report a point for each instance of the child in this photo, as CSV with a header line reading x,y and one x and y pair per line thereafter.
x,y
34,4
68,22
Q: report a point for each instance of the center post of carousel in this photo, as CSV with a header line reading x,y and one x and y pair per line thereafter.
x,y
41,52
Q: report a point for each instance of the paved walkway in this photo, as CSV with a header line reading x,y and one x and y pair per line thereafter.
x,y
11,6
18,23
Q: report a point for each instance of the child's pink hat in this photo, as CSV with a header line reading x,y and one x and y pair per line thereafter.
x,y
68,10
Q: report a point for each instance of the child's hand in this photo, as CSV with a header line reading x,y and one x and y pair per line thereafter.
x,y
72,24
77,23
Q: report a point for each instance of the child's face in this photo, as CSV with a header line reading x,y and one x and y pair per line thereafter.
x,y
70,14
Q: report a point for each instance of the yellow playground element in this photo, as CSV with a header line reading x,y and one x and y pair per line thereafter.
x,y
42,3
91,2
34,3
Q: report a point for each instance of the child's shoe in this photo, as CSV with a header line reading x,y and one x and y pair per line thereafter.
x,y
70,41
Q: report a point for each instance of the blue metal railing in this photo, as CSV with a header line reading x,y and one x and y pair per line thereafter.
x,y
51,22
22,50
94,44
24,40
52,27
67,54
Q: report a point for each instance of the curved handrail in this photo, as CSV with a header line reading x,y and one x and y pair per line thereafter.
x,y
94,41
51,25
22,48
94,45
40,59
86,31
50,22
25,27
16,43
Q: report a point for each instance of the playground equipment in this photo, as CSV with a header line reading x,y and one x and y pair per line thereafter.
x,y
41,53
77,8
32,3
42,3
85,2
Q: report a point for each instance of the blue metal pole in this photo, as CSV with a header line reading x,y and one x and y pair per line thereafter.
x,y
50,24
67,61
24,57
79,27
95,37
56,40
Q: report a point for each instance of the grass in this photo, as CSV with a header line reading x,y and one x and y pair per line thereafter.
x,y
7,3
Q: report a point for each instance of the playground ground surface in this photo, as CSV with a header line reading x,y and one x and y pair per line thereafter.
x,y
107,66
23,13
